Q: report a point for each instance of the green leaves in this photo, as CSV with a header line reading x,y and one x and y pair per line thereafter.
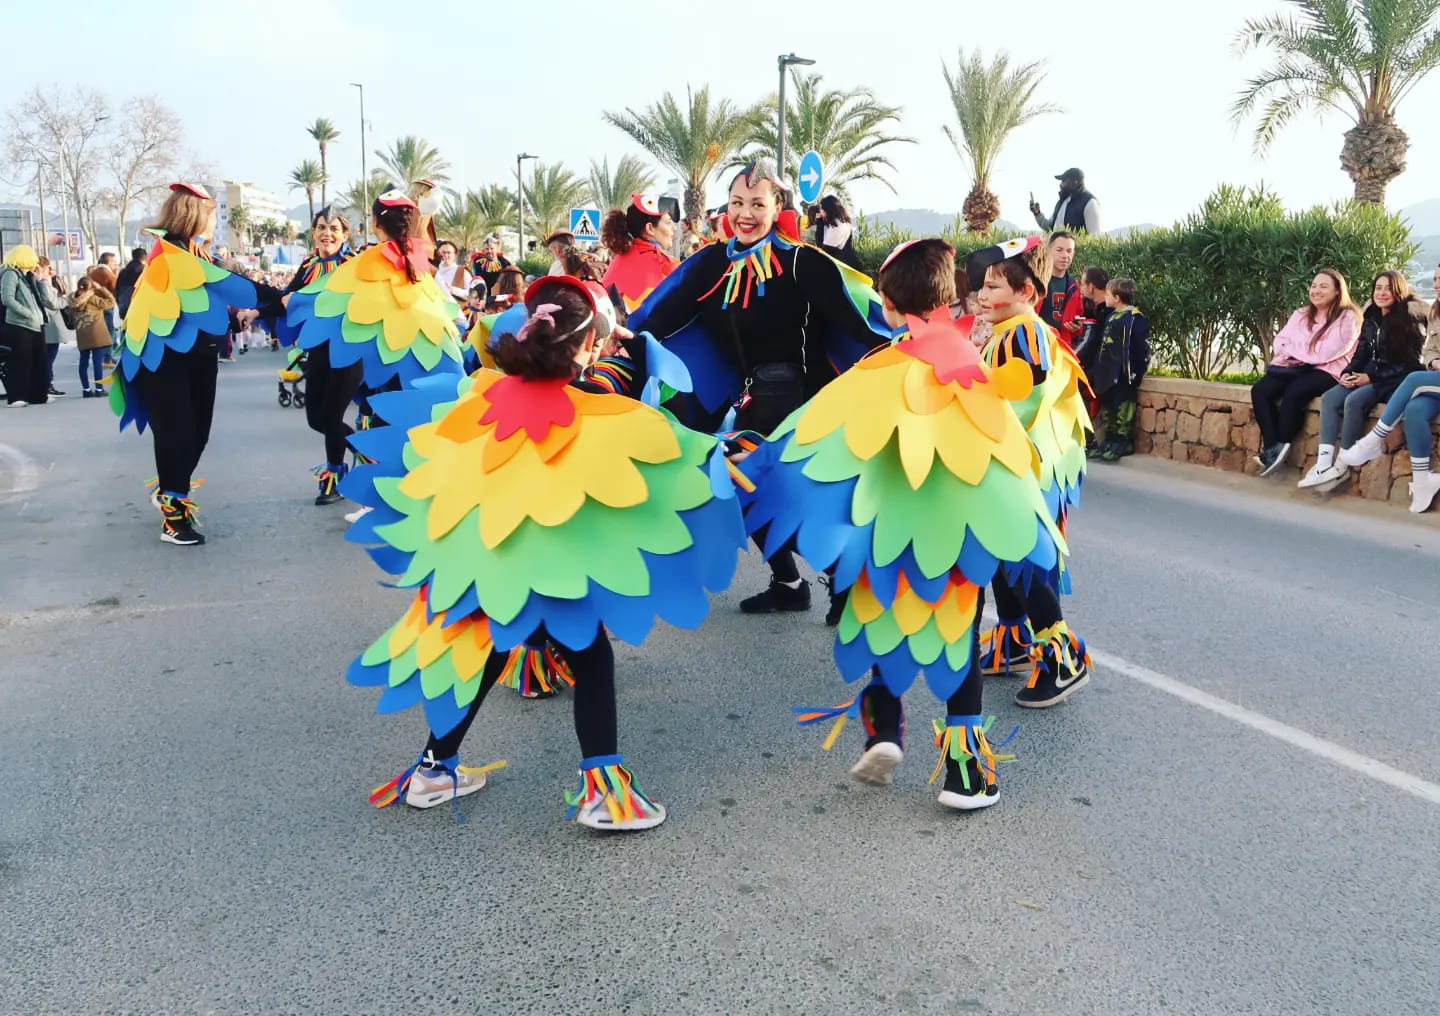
x,y
990,99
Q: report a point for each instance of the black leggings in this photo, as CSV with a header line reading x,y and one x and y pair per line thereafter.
x,y
1282,398
328,393
883,706
1040,603
594,671
180,398
26,370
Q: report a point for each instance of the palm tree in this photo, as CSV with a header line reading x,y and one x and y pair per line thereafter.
x,y
1360,57
494,204
412,159
307,177
269,230
550,193
460,222
613,190
846,128
357,198
239,220
690,140
991,99
324,132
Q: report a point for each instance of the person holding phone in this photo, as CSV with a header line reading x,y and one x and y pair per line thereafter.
x,y
1077,208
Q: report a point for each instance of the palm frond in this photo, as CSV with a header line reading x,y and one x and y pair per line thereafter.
x,y
411,159
613,189
990,100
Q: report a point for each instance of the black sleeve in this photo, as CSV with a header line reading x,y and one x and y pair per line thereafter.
x,y
819,278
1364,349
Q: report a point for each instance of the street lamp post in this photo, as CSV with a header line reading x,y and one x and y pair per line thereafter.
x,y
520,204
785,63
364,172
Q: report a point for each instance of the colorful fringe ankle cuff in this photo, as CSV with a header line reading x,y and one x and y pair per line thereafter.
x,y
963,739
1058,647
998,644
534,673
606,778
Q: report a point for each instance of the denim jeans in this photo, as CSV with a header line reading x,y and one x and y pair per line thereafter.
x,y
92,359
1343,412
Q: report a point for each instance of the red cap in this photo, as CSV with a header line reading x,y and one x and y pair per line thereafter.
x,y
192,188
565,280
646,204
396,199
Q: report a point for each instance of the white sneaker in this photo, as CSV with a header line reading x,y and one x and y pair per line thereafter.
x,y
1423,489
596,815
431,787
51,398
1367,448
358,514
1318,477
878,764
16,405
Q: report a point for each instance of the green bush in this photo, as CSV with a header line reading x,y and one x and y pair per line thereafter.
x,y
1219,284
535,264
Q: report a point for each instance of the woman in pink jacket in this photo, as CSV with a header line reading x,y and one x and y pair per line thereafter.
x,y
1309,355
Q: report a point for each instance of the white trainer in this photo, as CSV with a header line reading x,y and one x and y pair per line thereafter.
x,y
358,514
1318,477
1366,449
878,764
1423,489
431,787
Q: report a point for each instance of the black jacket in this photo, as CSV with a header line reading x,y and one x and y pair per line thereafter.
x,y
125,285
1374,356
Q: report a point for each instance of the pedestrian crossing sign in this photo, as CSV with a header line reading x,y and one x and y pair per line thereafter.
x,y
585,223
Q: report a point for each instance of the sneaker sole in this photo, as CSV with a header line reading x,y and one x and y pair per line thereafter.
x,y
877,765
435,798
1279,461
967,802
633,826
167,538
1063,694
798,608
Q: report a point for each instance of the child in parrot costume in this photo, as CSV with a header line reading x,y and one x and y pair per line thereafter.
x,y
536,506
381,311
912,475
170,351
1031,631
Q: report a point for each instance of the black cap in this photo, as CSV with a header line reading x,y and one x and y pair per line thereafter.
x,y
1072,174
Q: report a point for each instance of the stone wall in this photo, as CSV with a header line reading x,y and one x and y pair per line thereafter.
x,y
1212,424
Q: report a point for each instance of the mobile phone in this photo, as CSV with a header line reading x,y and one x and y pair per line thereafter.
x,y
1032,197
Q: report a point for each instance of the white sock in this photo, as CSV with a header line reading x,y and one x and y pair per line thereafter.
x,y
792,585
1326,457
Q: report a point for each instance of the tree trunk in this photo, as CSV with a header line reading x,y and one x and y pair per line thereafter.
x,y
694,203
324,180
310,200
1374,154
981,208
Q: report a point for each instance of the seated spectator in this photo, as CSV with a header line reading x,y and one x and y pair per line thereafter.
x,y
1120,366
1309,355
1417,400
1388,350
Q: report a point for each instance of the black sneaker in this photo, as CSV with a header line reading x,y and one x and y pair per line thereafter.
x,y
966,788
329,481
1053,684
181,533
1271,458
86,393
56,392
779,597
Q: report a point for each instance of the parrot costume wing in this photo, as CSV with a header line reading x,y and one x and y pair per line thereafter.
x,y
371,313
514,504
912,474
178,296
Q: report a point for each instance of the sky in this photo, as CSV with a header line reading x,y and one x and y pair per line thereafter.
x,y
1145,87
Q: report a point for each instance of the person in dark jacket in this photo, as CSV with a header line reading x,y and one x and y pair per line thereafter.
x,y
1391,334
1077,208
129,275
1119,366
27,299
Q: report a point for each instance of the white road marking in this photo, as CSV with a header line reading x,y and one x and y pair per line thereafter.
x,y
1318,746
21,470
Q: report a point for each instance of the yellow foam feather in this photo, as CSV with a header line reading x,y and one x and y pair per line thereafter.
x,y
863,602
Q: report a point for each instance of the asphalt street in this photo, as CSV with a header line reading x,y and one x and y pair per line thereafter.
x,y
187,829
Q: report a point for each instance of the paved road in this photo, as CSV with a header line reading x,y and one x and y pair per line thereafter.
x,y
187,828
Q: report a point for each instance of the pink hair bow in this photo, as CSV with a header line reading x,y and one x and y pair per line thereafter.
x,y
545,312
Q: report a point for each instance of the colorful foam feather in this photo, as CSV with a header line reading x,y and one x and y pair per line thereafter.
x,y
733,274
369,312
913,476
540,504
314,267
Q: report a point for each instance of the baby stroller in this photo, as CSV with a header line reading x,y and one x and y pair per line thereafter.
x,y
292,379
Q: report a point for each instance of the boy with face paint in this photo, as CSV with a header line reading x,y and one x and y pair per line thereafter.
x,y
1032,630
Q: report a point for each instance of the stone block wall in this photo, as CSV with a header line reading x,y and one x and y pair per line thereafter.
x,y
1211,424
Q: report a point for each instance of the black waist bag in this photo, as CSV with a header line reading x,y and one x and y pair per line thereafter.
x,y
773,391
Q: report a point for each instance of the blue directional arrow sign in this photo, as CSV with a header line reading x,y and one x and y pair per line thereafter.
x,y
812,177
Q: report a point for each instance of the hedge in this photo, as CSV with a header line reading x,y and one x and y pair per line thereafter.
x,y
1219,284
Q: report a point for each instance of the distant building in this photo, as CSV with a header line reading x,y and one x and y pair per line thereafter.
x,y
259,205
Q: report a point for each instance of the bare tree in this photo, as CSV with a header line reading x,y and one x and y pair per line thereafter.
x,y
142,154
62,131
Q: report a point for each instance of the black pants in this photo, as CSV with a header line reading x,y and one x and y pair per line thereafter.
x,y
180,398
27,368
1282,398
883,707
328,393
594,671
1040,603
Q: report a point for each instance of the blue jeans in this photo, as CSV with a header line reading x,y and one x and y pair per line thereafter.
x,y
1343,412
1418,401
89,358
